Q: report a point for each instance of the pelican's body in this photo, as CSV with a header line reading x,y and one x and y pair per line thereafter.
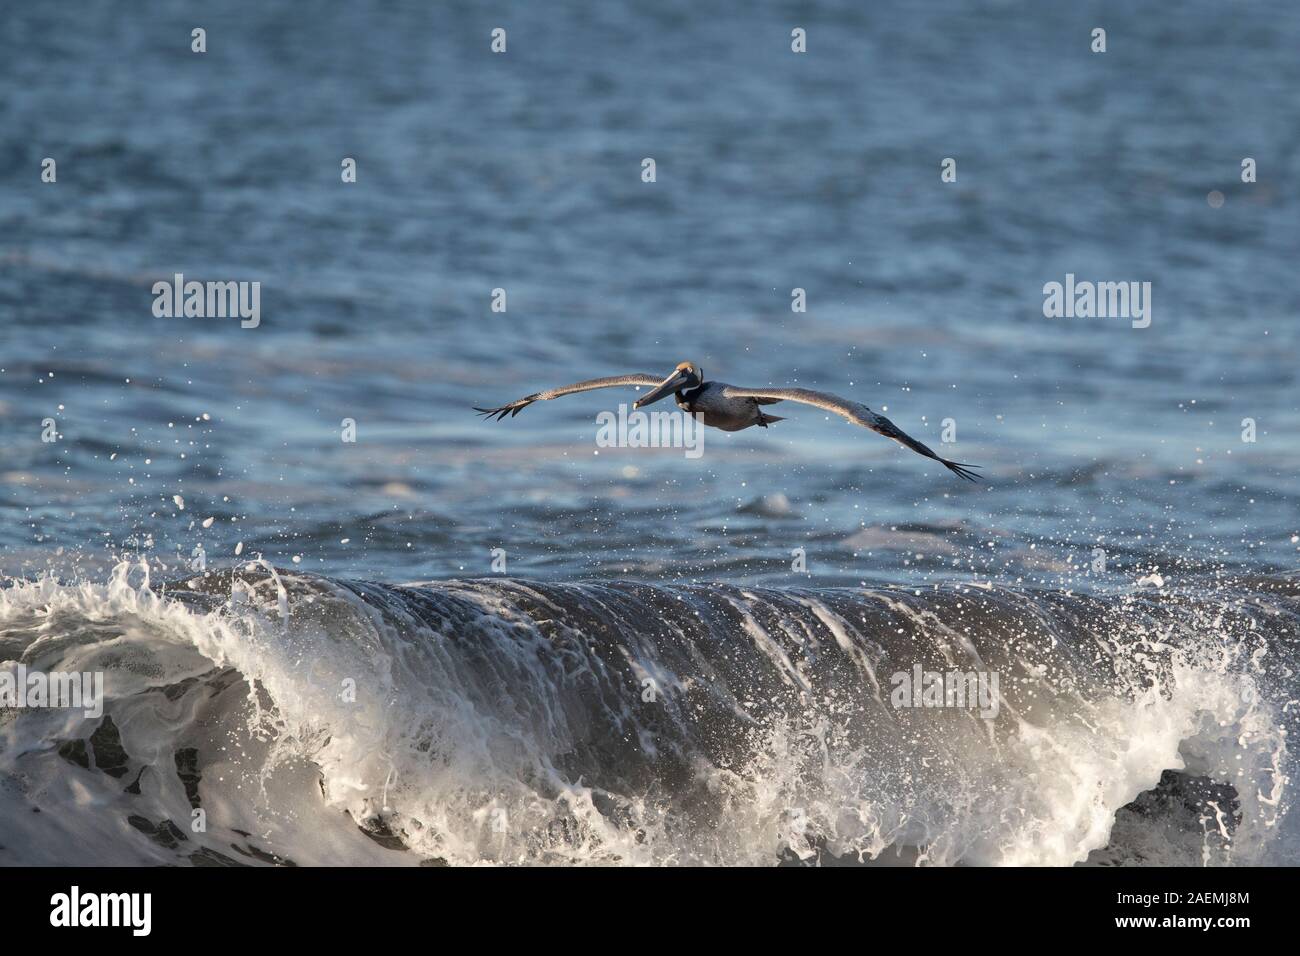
x,y
716,409
732,408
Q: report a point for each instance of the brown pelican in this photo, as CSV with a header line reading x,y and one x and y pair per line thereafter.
x,y
730,407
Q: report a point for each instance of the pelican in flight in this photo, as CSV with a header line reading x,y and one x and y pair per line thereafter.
x,y
731,407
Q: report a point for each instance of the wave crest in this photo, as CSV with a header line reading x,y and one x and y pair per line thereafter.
x,y
499,721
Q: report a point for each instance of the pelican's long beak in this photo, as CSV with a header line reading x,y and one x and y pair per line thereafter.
x,y
672,383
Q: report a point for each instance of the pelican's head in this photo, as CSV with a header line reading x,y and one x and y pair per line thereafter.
x,y
685,375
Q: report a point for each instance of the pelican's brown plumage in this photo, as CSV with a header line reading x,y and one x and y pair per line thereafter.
x,y
517,406
732,408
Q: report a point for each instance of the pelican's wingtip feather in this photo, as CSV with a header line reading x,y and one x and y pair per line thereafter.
x,y
961,470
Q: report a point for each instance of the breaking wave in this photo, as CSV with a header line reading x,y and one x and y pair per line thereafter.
x,y
261,716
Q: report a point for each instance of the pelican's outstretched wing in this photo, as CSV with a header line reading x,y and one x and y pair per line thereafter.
x,y
515,407
856,413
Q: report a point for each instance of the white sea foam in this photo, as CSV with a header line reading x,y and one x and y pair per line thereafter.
x,y
495,722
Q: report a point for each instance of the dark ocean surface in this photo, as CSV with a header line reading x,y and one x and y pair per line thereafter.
x,y
1124,512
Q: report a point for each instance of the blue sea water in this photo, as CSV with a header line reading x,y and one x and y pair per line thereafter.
x,y
199,532
775,171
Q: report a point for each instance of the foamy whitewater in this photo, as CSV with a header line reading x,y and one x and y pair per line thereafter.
x,y
307,720
684,659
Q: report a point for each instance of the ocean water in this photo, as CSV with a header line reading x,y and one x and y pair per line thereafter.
x,y
500,642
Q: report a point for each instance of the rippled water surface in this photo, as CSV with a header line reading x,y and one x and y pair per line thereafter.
x,y
1127,567
775,171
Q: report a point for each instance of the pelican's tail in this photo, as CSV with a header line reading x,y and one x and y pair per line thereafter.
x,y
765,419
